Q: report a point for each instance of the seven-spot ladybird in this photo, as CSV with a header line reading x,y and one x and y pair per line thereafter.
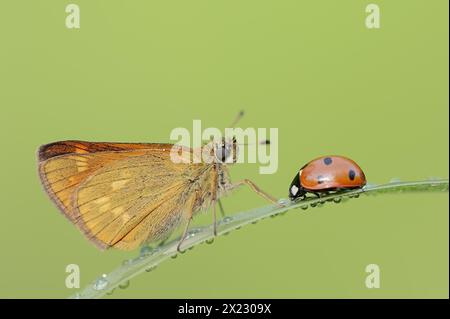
x,y
325,174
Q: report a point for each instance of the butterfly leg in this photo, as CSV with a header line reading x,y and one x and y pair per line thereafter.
x,y
256,189
186,228
163,242
183,237
214,218
222,212
214,200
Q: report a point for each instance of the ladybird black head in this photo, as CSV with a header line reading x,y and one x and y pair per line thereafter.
x,y
296,190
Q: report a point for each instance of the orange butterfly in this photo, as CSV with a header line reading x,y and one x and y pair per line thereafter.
x,y
123,195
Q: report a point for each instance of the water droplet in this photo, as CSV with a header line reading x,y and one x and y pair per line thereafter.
x,y
149,251
190,235
146,250
110,292
227,219
255,222
313,204
124,285
227,233
337,200
127,262
210,241
174,256
151,268
304,207
101,283
283,201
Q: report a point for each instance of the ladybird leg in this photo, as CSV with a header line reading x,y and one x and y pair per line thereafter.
x,y
257,190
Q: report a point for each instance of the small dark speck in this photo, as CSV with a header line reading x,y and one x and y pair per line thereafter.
x,y
327,160
351,174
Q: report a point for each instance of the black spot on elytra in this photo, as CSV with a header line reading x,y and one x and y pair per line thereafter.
x,y
327,160
351,174
320,179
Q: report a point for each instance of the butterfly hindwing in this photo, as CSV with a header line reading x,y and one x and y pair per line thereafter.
x,y
117,194
117,198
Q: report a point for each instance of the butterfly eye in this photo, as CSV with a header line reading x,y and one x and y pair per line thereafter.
x,y
223,151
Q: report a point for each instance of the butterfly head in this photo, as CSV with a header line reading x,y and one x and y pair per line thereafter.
x,y
226,150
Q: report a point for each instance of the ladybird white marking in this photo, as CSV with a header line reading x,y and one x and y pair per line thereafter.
x,y
294,190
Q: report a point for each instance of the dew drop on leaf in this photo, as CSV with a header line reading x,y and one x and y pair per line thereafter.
x,y
149,269
146,250
101,283
124,285
127,262
227,219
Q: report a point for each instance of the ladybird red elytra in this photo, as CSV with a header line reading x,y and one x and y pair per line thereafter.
x,y
327,174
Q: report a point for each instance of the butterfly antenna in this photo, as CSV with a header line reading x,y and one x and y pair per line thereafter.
x,y
262,142
237,119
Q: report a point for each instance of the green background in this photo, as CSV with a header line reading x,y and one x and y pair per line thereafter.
x,y
135,70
